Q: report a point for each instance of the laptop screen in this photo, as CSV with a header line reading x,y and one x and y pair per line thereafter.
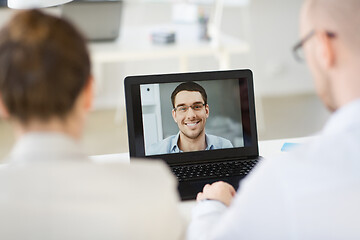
x,y
199,116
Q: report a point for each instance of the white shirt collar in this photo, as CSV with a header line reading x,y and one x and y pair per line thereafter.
x,y
175,148
343,118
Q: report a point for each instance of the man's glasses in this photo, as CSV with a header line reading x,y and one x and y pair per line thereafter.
x,y
298,48
183,109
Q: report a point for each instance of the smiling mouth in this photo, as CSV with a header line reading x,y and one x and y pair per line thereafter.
x,y
192,124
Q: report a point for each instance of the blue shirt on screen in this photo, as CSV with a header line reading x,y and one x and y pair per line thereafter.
x,y
169,144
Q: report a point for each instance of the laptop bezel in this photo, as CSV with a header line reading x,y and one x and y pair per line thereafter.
x,y
135,125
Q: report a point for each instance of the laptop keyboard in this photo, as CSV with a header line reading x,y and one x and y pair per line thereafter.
x,y
213,170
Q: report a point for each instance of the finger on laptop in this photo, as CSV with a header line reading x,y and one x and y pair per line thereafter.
x,y
220,191
199,197
227,185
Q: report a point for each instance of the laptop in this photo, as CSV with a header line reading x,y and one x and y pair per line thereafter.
x,y
202,137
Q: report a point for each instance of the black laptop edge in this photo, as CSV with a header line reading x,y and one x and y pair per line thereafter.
x,y
134,119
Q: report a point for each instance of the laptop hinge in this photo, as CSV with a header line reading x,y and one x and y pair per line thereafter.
x,y
214,161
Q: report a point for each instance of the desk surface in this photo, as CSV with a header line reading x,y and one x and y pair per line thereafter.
x,y
267,149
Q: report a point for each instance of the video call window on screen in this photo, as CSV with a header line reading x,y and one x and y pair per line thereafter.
x,y
220,117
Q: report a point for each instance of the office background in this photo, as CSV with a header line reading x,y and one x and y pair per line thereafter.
x,y
287,105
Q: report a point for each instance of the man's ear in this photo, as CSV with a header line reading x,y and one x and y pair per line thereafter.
x,y
207,110
325,50
89,93
173,113
4,113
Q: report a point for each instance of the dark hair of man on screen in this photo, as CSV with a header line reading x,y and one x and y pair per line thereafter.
x,y
191,87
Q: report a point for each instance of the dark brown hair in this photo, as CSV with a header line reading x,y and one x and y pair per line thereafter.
x,y
44,65
191,87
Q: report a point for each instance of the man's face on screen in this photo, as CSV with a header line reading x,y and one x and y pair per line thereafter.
x,y
190,113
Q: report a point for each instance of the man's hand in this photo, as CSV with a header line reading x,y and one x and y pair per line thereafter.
x,y
220,191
